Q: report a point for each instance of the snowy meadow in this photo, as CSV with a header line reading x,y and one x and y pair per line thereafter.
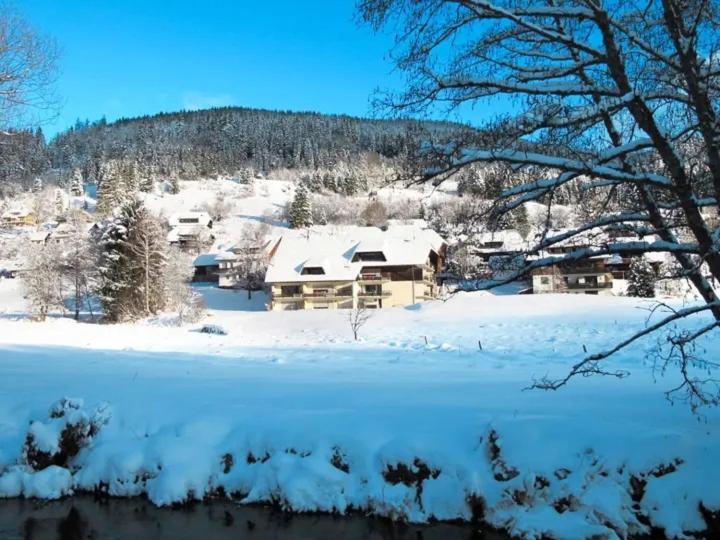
x,y
426,417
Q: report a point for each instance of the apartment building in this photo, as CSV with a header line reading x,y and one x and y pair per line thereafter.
x,y
333,267
585,276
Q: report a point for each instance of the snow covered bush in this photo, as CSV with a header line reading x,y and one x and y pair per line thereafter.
x,y
641,278
59,439
213,329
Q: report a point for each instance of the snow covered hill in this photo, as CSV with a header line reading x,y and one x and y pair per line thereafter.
x,y
414,421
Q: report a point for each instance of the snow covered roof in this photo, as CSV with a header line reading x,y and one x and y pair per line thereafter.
x,y
504,240
206,259
14,213
599,238
226,256
64,229
334,253
39,236
185,230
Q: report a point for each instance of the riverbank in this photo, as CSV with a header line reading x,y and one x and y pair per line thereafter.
x,y
415,423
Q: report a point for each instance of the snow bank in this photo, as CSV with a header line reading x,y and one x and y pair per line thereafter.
x,y
415,422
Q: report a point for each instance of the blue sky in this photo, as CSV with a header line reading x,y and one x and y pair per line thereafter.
x,y
140,57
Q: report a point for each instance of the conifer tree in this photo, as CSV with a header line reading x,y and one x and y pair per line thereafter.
x,y
146,184
110,191
641,278
301,209
59,203
132,262
76,183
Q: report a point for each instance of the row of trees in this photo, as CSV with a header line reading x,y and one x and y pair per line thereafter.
x,y
221,141
124,263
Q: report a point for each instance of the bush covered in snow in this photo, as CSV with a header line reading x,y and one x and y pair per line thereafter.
x,y
67,431
213,329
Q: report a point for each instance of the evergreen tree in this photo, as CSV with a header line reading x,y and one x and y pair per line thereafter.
x,y
131,266
37,184
76,183
301,209
146,184
641,278
246,175
113,284
110,190
520,221
59,203
174,185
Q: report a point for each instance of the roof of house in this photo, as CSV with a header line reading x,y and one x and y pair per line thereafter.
x,y
14,213
187,230
206,259
39,236
332,249
599,238
510,240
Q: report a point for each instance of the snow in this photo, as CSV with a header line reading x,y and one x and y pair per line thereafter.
x,y
313,420
332,248
296,403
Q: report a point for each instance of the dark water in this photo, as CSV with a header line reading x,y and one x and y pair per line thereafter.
x,y
85,518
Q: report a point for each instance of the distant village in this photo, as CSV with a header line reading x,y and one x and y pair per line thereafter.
x,y
397,263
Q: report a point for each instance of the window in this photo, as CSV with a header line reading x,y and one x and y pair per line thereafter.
x,y
189,220
375,290
289,290
312,271
544,280
369,256
492,245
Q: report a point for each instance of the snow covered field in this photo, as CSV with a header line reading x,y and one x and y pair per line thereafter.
x,y
413,422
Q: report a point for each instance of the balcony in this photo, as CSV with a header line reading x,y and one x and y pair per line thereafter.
x,y
287,297
374,294
583,267
373,278
589,285
328,294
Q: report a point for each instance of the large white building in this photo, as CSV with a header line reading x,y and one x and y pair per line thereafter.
x,y
331,267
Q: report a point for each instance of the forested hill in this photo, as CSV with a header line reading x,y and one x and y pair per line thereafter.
x,y
193,144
